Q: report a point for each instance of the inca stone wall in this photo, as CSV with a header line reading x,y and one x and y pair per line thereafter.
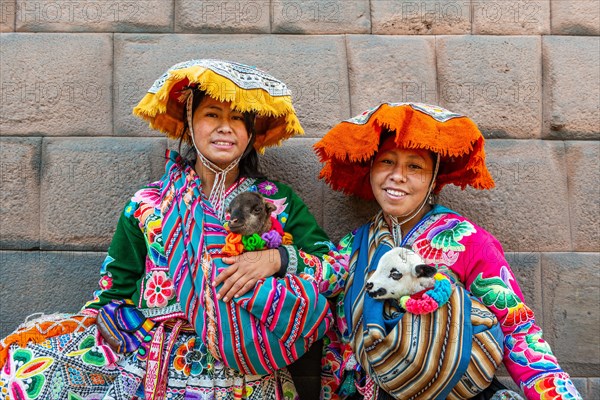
x,y
528,72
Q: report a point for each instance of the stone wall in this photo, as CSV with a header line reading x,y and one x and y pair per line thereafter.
x,y
528,72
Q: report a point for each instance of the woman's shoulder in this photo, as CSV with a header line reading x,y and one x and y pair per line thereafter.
x,y
148,195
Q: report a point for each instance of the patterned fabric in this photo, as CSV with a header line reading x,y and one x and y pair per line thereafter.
x,y
257,333
136,268
418,356
458,247
82,366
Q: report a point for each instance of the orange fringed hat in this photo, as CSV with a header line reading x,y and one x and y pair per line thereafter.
x,y
349,147
247,88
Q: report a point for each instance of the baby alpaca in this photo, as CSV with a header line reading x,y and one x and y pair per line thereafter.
x,y
400,272
250,213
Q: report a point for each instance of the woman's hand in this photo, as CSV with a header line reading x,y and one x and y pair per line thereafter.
x,y
245,270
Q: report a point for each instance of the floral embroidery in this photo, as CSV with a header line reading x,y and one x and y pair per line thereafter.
x,y
529,349
188,357
29,375
552,387
442,243
105,282
267,188
159,290
494,292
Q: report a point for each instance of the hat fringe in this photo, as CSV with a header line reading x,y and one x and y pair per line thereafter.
x,y
350,145
283,122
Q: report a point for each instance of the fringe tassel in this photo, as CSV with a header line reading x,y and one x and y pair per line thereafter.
x,y
43,330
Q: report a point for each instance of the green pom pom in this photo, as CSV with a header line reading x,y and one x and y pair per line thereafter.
x,y
253,242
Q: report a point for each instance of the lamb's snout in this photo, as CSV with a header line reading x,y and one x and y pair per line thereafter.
x,y
374,293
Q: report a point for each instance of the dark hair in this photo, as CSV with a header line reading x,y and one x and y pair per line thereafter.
x,y
249,166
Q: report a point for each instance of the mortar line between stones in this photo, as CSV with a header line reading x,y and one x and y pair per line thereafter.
x,y
569,216
15,18
39,185
437,80
112,95
348,75
174,16
371,17
270,16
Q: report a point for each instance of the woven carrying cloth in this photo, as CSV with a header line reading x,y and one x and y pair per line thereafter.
x,y
452,352
257,333
349,147
247,88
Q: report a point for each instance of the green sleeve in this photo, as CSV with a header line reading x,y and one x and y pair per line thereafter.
x,y
124,265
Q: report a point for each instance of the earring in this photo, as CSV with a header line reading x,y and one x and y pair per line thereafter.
x,y
431,199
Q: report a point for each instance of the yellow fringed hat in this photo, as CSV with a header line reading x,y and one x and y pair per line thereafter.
x,y
349,147
247,88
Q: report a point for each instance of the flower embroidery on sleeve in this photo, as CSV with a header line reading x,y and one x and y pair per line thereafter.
x,y
495,292
159,290
442,244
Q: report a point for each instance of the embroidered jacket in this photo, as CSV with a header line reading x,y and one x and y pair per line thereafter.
x,y
136,266
451,242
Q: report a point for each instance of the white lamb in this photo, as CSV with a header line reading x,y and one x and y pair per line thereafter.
x,y
400,272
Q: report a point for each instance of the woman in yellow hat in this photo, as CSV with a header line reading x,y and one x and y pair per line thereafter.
x,y
180,314
447,340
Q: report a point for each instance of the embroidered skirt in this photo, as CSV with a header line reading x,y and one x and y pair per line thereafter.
x,y
81,366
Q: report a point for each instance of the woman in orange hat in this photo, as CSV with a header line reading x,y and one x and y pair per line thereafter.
x,y
447,340
176,315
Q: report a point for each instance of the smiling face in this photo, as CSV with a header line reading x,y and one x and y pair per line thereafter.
x,y
219,132
400,179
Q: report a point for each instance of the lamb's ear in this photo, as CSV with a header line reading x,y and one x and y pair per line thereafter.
x,y
425,271
270,207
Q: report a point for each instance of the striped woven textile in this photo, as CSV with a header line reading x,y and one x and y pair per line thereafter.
x,y
451,353
258,333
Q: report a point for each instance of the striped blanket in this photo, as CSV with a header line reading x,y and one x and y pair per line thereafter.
x,y
257,333
451,353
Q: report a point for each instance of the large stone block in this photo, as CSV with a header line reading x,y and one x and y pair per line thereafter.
x,y
342,214
517,17
313,67
87,182
57,93
45,282
494,80
7,15
571,87
20,192
575,17
391,69
219,16
583,169
321,16
527,210
424,17
94,16
296,165
571,288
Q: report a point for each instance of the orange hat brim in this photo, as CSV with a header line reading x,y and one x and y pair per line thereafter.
x,y
349,147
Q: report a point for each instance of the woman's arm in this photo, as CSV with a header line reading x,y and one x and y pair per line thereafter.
x,y
527,356
124,262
